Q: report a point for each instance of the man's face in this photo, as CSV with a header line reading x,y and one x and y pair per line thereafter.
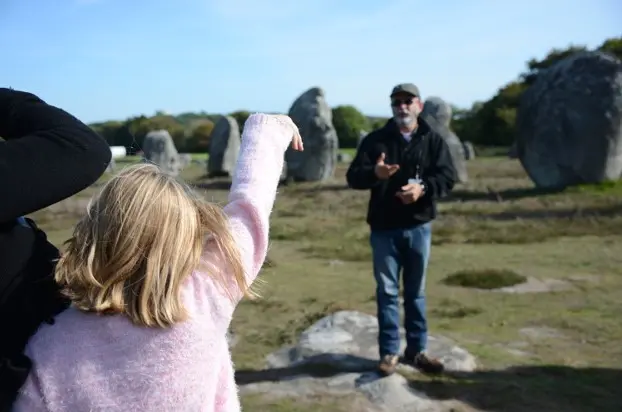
x,y
406,108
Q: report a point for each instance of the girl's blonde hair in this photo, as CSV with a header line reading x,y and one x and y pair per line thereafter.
x,y
140,239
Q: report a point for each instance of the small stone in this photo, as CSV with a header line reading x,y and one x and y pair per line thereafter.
x,y
159,149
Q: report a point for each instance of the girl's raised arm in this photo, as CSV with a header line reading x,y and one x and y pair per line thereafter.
x,y
255,181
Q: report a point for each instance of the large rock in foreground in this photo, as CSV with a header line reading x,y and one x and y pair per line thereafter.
x,y
437,113
314,119
569,122
338,355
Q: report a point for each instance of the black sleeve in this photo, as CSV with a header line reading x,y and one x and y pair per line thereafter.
x,y
441,179
361,174
47,154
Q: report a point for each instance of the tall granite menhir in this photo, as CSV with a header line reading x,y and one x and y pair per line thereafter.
x,y
437,113
569,122
224,147
314,119
159,149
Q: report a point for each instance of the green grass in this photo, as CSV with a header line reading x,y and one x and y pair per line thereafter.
x,y
320,262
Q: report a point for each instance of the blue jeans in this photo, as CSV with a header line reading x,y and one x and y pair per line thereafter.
x,y
406,251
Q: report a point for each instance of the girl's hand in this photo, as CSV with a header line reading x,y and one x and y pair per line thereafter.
x,y
296,138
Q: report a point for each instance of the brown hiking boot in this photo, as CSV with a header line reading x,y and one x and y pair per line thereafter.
x,y
424,363
388,364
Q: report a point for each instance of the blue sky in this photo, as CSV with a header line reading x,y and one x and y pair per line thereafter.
x,y
111,59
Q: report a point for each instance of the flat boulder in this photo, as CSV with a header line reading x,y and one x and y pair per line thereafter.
x,y
437,113
338,356
314,118
569,122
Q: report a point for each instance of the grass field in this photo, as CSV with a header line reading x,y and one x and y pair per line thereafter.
x,y
556,351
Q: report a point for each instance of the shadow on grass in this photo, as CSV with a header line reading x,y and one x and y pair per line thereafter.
x,y
497,196
328,187
317,366
568,213
517,389
531,388
490,194
215,184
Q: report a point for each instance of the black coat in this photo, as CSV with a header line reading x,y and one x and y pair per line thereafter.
x,y
47,155
427,156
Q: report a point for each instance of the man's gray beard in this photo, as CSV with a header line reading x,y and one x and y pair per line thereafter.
x,y
404,121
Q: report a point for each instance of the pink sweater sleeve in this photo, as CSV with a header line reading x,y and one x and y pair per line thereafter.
x,y
253,189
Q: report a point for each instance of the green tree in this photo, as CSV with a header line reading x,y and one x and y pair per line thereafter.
x,y
612,46
199,139
349,122
240,116
376,122
492,123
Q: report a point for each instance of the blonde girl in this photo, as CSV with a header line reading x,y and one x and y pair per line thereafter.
x,y
154,274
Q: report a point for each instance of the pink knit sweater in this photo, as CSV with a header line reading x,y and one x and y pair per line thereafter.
x,y
90,363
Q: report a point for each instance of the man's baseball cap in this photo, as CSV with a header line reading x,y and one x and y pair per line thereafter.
x,y
406,88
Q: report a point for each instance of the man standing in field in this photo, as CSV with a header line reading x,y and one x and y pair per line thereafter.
x,y
406,166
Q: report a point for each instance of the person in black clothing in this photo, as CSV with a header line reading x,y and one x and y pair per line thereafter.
x,y
46,155
407,166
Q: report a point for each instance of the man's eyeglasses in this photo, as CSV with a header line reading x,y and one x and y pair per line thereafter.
x,y
399,102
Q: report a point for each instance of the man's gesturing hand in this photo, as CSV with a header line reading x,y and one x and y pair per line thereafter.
x,y
384,171
410,193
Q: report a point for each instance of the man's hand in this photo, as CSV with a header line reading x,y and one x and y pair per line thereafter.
x,y
410,193
384,171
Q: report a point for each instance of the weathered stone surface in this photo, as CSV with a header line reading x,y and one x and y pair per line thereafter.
x,y
185,159
224,147
338,355
314,119
159,149
437,113
513,151
469,150
569,122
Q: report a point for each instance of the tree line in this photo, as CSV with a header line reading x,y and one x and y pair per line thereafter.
x,y
487,123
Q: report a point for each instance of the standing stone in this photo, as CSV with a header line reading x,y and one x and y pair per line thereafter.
x,y
111,166
437,113
159,149
513,152
569,122
314,119
185,159
469,150
224,147
362,135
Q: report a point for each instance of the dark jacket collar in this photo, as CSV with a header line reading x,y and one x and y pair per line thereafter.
x,y
392,129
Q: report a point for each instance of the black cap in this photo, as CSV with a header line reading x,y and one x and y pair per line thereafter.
x,y
406,88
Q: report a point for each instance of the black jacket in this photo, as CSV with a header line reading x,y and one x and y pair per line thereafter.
x,y
47,155
427,154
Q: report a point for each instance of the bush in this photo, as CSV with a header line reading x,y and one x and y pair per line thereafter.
x,y
484,279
